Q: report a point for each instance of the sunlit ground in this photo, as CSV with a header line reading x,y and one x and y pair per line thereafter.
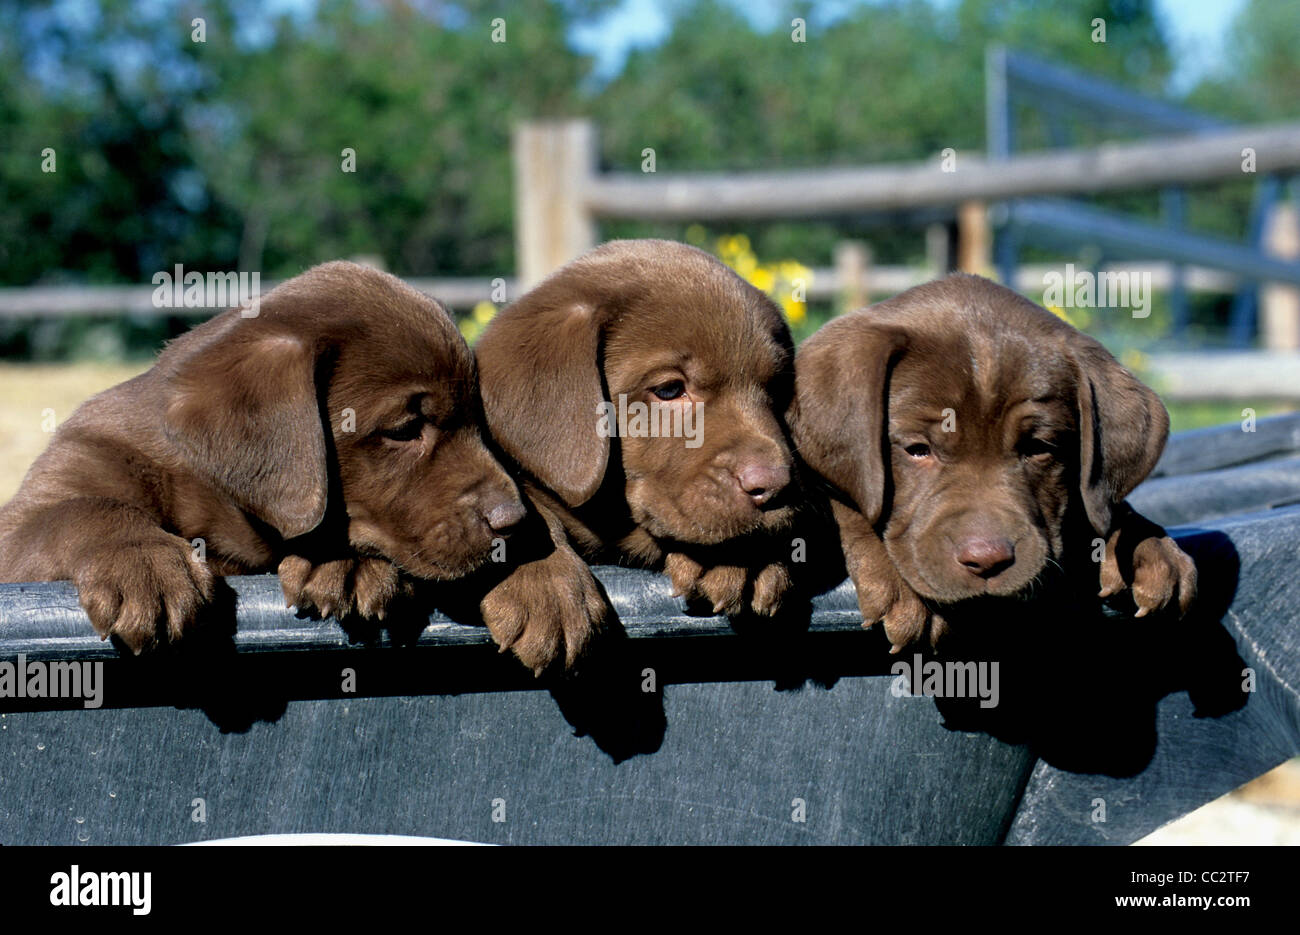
x,y
28,392
1266,811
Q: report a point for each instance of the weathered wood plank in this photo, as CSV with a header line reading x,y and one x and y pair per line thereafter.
x,y
1149,163
59,301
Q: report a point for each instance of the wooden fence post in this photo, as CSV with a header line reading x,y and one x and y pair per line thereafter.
x,y
938,244
852,261
1279,305
554,161
974,243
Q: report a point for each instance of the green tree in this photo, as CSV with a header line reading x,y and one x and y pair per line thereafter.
x,y
1260,77
126,196
426,108
900,80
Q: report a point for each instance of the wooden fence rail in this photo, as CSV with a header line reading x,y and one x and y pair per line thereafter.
x,y
856,275
560,192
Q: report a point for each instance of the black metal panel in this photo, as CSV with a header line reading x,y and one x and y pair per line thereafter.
x,y
1186,498
734,760
738,730
723,756
1224,446
742,726
1203,751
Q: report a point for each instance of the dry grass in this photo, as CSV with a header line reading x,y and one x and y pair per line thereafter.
x,y
27,391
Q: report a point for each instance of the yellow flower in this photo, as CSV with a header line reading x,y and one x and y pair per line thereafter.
x,y
1133,359
1079,318
762,279
696,235
781,281
793,269
483,312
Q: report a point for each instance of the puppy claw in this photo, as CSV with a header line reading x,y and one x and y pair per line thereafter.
x,y
729,589
341,587
1160,575
157,601
770,587
546,611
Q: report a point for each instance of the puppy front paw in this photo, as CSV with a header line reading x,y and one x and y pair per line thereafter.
x,y
729,589
144,592
356,585
1159,574
884,597
546,610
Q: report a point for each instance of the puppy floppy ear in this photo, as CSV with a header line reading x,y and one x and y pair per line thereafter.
x,y
539,372
1122,430
242,410
839,417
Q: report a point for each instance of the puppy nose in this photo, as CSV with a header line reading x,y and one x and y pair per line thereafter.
x,y
505,515
985,556
763,481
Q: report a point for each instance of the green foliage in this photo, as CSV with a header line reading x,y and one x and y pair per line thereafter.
x,y
899,80
228,153
1190,415
127,195
1262,73
428,111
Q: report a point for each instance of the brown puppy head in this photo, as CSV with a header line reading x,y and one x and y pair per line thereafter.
x,y
965,421
665,348
349,391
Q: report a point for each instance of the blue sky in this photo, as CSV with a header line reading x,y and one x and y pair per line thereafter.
x,y
1196,29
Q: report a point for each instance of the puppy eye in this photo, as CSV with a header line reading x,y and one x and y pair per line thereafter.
x,y
674,389
406,432
918,450
1036,448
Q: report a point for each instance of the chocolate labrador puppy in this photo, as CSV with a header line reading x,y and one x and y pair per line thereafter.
x,y
978,445
639,390
331,433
